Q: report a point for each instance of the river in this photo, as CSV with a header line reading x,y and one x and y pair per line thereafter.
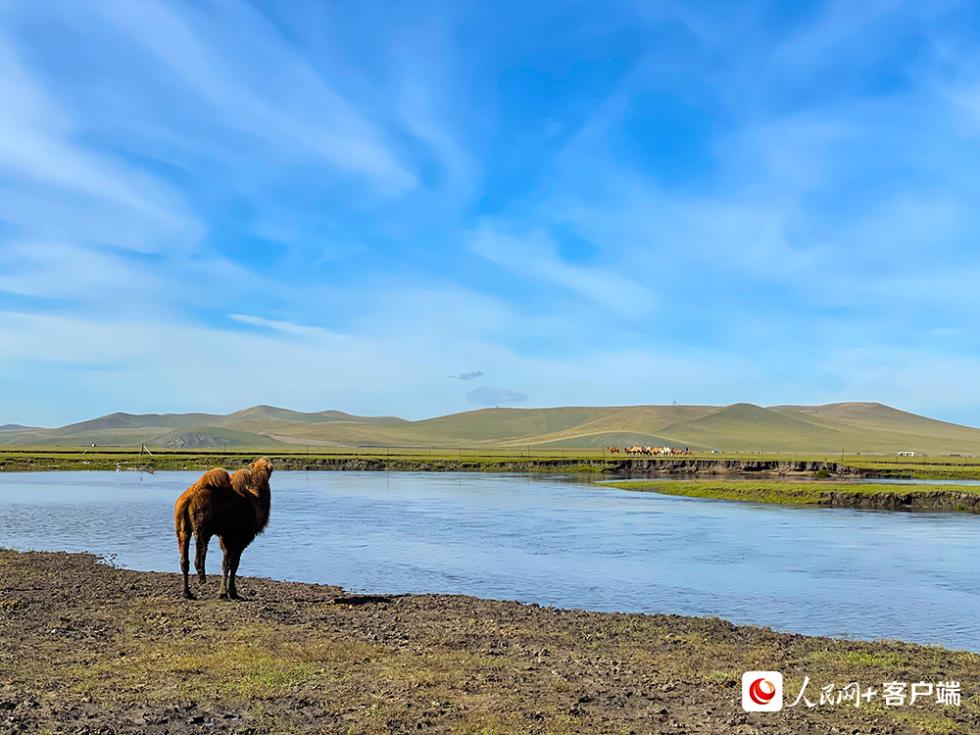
x,y
845,573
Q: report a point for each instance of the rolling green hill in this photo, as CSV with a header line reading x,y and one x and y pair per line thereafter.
x,y
853,427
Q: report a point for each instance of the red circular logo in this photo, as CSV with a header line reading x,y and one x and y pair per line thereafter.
x,y
762,691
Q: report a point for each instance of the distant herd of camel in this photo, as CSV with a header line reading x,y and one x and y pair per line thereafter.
x,y
657,451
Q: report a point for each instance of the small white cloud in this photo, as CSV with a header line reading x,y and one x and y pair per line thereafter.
x,y
487,396
468,376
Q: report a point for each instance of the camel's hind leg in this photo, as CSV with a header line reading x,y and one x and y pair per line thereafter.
x,y
225,566
201,541
183,547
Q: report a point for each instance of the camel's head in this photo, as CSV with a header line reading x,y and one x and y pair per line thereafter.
x,y
262,466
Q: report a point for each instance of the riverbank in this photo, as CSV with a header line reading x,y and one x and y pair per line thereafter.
x,y
90,648
490,460
871,496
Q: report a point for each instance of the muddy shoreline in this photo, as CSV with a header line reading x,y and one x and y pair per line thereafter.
x,y
88,648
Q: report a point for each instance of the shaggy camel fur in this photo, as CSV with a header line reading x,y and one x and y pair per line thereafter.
x,y
234,508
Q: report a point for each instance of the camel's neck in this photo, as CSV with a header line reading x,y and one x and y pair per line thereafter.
x,y
263,503
255,487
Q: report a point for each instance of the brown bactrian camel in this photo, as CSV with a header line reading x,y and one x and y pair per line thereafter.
x,y
235,508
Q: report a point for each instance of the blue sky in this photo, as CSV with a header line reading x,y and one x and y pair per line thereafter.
x,y
419,208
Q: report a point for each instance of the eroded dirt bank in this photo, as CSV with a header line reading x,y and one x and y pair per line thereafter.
x,y
87,648
683,467
926,500
871,496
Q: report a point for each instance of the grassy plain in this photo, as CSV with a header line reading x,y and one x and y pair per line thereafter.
x,y
463,459
591,461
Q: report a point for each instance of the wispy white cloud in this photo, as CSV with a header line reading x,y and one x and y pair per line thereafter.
x,y
535,256
253,79
56,270
52,183
290,328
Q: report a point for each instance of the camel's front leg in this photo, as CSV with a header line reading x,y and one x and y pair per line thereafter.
x,y
225,566
236,556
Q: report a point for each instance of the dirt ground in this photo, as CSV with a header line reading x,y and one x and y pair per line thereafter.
x,y
88,648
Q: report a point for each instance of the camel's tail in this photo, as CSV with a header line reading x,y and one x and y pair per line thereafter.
x,y
182,518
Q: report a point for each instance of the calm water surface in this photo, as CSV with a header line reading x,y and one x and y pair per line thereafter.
x,y
859,574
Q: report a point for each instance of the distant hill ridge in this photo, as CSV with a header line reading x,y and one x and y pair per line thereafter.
x,y
853,427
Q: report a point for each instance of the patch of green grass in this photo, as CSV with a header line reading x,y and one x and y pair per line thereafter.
x,y
930,724
192,669
720,676
781,492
